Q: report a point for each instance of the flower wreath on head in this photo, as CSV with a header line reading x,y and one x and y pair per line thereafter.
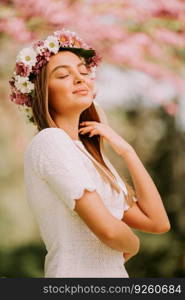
x,y
30,61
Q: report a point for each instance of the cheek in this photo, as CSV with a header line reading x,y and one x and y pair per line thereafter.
x,y
57,91
59,88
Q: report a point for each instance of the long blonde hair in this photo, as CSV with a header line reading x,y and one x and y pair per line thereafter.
x,y
94,145
103,119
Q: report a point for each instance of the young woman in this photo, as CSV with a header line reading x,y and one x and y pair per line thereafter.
x,y
83,208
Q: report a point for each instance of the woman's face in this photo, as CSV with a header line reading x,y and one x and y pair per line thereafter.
x,y
66,73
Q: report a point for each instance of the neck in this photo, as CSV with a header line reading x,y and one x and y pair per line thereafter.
x,y
69,125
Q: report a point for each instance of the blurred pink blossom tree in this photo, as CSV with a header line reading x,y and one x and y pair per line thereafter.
x,y
144,35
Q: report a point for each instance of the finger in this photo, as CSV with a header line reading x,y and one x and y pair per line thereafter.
x,y
88,123
93,132
85,129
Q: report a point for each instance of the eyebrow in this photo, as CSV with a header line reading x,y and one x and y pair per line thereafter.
x,y
64,66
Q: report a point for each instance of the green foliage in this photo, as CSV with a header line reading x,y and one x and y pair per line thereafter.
x,y
161,150
25,261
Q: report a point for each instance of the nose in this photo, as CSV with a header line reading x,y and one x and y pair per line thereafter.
x,y
78,78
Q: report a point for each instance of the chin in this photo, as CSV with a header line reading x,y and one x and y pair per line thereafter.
x,y
86,102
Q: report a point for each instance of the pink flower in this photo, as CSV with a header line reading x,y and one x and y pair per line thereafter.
x,y
21,69
76,42
41,61
16,28
65,39
94,60
165,36
20,98
38,43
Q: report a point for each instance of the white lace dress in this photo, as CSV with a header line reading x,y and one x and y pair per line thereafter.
x,y
57,172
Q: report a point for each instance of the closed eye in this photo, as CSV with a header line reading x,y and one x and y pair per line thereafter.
x,y
68,74
63,76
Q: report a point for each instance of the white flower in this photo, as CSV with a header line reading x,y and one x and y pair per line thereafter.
x,y
27,56
29,112
52,44
26,111
23,84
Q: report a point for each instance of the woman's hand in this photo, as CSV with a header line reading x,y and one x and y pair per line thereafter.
x,y
115,140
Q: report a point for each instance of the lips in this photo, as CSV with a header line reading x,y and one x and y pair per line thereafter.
x,y
80,90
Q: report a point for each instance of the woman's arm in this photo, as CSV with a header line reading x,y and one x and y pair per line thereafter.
x,y
110,230
149,200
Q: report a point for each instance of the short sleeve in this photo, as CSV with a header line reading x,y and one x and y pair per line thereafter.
x,y
57,161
